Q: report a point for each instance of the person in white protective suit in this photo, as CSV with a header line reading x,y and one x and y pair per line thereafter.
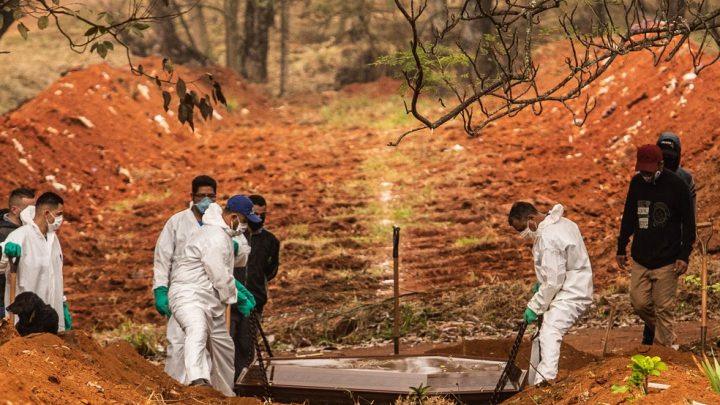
x,y
168,250
201,287
40,266
564,287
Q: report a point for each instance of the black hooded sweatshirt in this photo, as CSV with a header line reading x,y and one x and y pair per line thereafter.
x,y
262,265
661,220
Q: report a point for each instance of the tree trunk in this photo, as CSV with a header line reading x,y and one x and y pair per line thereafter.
x,y
473,35
676,8
232,35
438,15
284,35
199,26
7,22
259,16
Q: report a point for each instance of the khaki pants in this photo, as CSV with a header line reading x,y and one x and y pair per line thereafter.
x,y
652,295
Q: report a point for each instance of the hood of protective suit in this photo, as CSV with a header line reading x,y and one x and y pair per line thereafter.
x,y
27,215
671,148
555,214
213,216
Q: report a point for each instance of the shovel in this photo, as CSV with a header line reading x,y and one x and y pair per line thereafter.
x,y
14,261
704,280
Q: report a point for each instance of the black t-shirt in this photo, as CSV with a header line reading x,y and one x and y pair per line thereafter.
x,y
661,219
262,265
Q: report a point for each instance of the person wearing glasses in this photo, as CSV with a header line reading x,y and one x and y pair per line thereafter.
x,y
168,252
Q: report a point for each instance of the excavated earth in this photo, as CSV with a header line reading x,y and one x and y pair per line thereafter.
x,y
100,136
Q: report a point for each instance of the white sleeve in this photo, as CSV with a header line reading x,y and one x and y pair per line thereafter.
x,y
243,251
216,256
552,269
164,250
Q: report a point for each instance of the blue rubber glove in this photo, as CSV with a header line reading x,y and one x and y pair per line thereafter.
x,y
68,318
245,300
162,303
12,249
236,247
530,316
535,288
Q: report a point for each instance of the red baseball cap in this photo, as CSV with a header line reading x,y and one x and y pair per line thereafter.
x,y
648,157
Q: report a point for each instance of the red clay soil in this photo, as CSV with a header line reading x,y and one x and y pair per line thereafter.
x,y
592,383
73,369
318,179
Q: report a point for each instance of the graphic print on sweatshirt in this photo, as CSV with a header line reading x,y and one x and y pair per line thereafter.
x,y
661,214
643,213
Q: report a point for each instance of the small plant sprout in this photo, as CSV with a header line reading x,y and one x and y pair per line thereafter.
x,y
419,394
711,371
642,368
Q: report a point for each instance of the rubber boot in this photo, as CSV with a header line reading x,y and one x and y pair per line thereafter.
x,y
648,335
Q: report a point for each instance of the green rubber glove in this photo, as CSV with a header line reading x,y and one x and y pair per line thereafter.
x,y
535,288
236,247
245,300
530,316
162,303
68,318
12,249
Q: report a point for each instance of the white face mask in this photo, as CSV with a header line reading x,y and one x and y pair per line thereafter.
x,y
528,233
55,225
238,230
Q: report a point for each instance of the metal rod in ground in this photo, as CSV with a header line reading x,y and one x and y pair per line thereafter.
x,y
396,289
704,283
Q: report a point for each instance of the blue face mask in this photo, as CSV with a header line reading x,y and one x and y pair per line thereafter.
x,y
203,205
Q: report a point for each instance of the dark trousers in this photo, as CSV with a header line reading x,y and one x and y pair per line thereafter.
x,y
2,295
240,331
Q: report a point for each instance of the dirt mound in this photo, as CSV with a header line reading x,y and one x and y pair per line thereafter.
x,y
592,383
73,369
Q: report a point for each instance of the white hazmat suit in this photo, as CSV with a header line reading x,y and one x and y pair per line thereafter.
x,y
40,269
168,251
201,285
562,266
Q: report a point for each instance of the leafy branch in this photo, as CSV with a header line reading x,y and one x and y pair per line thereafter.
x,y
105,30
500,77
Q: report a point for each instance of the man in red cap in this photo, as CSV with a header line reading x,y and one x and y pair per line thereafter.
x,y
659,216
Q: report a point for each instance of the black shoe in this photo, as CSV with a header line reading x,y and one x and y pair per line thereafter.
x,y
201,382
648,335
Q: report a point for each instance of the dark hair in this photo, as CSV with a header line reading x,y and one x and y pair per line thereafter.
x,y
258,200
203,181
49,199
18,193
521,210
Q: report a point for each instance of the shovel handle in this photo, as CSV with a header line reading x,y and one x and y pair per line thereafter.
x,y
704,242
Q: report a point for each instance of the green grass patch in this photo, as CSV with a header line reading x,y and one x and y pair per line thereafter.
x,y
363,111
128,204
473,241
403,214
298,231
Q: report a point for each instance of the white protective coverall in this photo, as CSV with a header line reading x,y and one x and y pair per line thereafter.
x,y
562,266
168,250
40,269
201,285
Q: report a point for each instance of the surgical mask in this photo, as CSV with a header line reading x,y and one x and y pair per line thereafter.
x,y
528,233
55,225
239,229
651,179
203,205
